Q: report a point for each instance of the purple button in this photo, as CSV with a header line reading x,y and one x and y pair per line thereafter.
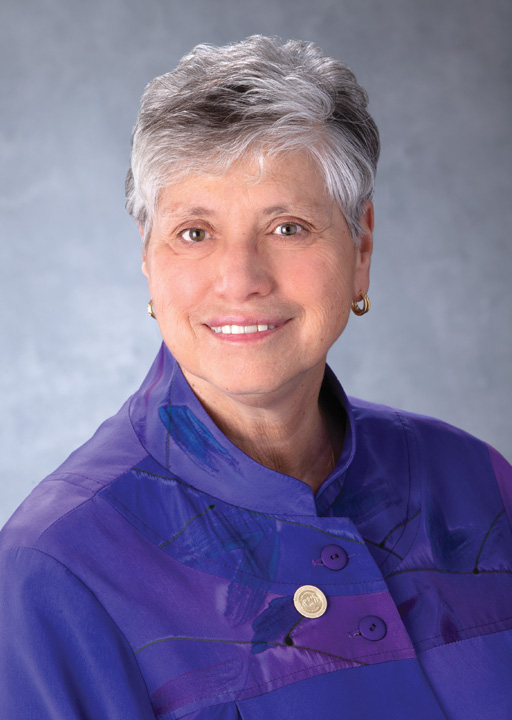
x,y
334,557
372,627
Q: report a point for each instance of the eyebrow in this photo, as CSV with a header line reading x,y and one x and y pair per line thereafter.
x,y
170,210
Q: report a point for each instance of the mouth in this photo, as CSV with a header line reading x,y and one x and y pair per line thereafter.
x,y
241,329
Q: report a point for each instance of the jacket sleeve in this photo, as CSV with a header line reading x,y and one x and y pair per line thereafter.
x,y
61,654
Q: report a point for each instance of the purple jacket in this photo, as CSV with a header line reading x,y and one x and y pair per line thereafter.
x,y
153,574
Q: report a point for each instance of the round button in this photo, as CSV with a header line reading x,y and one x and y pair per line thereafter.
x,y
334,557
372,627
310,601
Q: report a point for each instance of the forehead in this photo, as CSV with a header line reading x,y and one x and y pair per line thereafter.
x,y
273,184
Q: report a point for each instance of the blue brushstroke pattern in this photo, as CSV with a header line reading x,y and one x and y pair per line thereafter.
x,y
194,438
250,585
451,547
274,623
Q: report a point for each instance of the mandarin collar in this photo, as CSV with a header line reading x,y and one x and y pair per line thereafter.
x,y
178,433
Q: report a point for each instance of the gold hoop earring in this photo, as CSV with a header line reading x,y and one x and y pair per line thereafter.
x,y
366,305
150,309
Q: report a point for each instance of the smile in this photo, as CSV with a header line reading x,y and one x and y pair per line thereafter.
x,y
241,329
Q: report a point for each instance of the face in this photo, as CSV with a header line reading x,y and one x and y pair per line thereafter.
x,y
252,279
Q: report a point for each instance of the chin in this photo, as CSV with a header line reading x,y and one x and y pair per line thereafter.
x,y
247,380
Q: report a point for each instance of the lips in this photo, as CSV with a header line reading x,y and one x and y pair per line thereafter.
x,y
241,329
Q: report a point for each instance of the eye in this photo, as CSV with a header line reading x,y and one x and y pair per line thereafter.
x,y
288,229
194,234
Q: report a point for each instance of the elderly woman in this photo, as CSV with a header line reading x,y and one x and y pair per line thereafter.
x,y
241,540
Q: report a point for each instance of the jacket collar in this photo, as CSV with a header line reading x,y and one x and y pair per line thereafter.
x,y
177,432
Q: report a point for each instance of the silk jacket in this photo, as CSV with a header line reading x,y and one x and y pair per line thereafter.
x,y
153,575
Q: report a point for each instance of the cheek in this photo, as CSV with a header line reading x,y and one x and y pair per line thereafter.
x,y
326,297
177,290
332,315
325,283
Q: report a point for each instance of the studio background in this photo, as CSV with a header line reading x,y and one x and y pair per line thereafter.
x,y
75,336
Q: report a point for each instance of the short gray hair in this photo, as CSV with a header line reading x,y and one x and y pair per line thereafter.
x,y
260,97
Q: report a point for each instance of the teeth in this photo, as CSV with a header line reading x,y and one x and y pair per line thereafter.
x,y
241,329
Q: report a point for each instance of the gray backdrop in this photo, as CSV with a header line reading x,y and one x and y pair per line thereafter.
x,y
76,340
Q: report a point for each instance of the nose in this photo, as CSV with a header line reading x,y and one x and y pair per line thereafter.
x,y
242,271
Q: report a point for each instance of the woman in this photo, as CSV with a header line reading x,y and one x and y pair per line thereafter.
x,y
241,541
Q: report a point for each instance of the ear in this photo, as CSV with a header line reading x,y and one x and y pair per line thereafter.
x,y
364,251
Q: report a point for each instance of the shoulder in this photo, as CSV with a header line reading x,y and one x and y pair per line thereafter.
x,y
450,463
69,490
374,422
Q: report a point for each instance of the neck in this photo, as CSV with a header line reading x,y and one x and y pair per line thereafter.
x,y
291,433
